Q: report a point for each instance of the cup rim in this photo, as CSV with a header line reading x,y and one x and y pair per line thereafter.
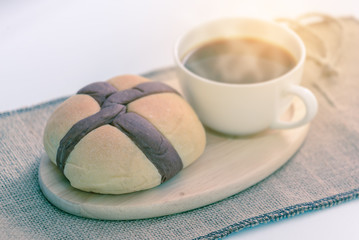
x,y
298,65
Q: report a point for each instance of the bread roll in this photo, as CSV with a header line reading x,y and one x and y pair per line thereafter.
x,y
124,135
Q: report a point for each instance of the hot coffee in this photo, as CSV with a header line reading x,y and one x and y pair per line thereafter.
x,y
239,60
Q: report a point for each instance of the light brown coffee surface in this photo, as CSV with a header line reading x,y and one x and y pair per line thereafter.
x,y
239,60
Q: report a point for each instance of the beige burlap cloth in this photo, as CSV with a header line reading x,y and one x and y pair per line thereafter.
x,y
324,172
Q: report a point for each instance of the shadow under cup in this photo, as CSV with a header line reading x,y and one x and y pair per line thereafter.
x,y
242,109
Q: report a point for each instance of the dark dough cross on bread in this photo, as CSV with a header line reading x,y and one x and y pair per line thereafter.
x,y
113,111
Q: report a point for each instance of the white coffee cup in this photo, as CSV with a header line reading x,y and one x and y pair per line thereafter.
x,y
242,109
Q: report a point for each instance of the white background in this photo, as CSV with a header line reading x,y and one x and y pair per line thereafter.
x,y
50,49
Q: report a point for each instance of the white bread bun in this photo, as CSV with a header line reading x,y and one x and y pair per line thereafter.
x,y
108,160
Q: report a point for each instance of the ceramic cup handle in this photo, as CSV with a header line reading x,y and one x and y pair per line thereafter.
x,y
310,103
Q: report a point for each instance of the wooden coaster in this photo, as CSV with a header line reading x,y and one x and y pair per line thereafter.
x,y
228,165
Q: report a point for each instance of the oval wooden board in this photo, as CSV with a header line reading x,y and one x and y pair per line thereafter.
x,y
228,166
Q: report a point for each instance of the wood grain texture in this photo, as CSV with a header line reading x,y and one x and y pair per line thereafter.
x,y
228,166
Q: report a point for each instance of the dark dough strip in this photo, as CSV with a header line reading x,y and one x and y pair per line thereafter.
x,y
113,111
98,91
81,129
152,143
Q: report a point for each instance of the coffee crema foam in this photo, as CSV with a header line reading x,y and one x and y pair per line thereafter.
x,y
239,60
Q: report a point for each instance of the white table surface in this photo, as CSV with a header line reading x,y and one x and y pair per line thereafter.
x,y
50,49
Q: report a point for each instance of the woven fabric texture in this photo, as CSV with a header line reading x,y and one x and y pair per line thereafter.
x,y
324,172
